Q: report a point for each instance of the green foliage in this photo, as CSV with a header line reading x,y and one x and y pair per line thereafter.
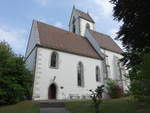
x,y
135,36
21,107
114,90
97,97
121,105
15,79
134,32
140,81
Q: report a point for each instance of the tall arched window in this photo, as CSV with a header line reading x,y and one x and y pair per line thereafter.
x,y
97,73
87,26
54,60
80,75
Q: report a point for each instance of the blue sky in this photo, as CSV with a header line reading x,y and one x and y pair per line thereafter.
x,y
16,17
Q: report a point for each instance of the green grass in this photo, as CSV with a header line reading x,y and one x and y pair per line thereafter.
x,y
22,107
124,105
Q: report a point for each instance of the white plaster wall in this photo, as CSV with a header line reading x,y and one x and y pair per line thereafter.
x,y
112,73
80,24
83,23
66,74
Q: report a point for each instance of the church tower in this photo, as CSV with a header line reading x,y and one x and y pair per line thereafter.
x,y
80,21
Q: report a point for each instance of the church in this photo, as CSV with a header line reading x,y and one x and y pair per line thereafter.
x,y
67,64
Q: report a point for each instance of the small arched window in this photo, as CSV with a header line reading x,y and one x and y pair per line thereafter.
x,y
80,74
97,73
54,60
87,26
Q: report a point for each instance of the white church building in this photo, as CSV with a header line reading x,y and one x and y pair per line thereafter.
x,y
67,64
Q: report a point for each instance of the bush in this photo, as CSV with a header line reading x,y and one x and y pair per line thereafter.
x,y
97,97
15,79
140,80
114,90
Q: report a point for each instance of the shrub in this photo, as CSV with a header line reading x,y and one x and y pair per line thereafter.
x,y
96,97
140,80
114,90
15,79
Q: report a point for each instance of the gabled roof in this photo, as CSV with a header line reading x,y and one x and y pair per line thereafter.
x,y
59,39
84,15
106,42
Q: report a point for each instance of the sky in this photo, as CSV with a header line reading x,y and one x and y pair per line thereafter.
x,y
16,18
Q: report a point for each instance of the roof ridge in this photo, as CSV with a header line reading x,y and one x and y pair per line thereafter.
x,y
58,28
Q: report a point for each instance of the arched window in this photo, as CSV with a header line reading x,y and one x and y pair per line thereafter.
x,y
80,75
54,60
97,73
87,26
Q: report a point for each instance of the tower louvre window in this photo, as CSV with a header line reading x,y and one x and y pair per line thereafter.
x,y
87,26
73,24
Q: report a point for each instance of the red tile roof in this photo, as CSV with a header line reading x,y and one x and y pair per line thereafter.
x,y
106,42
59,39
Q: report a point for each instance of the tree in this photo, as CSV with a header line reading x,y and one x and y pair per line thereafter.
x,y
134,33
140,85
135,36
97,97
15,79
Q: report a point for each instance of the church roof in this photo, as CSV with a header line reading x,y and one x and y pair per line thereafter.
x,y
85,16
59,39
106,42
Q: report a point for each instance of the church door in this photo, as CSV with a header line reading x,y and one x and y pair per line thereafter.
x,y
52,91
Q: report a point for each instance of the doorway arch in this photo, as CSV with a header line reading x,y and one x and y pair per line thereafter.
x,y
52,91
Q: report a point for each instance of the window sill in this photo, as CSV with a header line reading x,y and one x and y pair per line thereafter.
x,y
80,86
53,67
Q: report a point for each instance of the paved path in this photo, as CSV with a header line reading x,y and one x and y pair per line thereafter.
x,y
52,107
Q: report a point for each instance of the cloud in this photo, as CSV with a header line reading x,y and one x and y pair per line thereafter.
x,y
16,38
104,6
42,2
58,24
97,7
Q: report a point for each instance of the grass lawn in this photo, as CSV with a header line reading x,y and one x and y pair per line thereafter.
x,y
124,105
22,107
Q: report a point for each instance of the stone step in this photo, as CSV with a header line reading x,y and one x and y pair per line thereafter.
x,y
51,104
54,110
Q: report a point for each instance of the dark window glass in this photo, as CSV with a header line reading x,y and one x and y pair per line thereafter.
x,y
74,29
54,59
80,75
97,74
